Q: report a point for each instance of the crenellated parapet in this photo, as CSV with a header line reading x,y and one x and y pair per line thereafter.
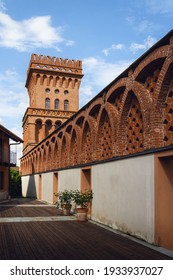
x,y
55,64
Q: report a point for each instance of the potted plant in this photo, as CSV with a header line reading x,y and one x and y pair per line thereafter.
x,y
82,200
64,201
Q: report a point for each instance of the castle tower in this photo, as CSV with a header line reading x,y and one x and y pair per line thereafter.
x,y
53,89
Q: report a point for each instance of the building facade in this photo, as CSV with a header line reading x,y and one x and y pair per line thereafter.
x,y
120,145
7,159
53,89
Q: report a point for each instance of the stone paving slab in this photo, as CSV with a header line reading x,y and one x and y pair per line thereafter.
x,y
36,219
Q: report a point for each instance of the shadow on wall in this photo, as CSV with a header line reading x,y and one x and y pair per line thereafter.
x,y
31,190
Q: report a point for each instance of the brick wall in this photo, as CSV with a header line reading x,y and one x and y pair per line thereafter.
x,y
133,114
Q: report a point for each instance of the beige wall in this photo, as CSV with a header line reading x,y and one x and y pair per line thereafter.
x,y
69,179
123,193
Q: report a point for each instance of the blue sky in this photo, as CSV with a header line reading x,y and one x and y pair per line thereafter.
x,y
107,35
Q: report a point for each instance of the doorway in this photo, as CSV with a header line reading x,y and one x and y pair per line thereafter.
x,y
164,201
55,186
40,186
86,185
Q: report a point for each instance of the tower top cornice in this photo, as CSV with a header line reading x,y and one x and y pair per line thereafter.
x,y
41,63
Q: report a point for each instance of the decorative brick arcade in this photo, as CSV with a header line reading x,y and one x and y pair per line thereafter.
x,y
133,114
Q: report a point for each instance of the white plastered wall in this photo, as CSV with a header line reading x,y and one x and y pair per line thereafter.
x,y
124,195
29,186
69,179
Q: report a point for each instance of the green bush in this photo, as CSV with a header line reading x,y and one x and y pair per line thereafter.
x,y
15,184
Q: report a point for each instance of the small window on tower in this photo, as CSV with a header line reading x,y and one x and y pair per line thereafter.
x,y
66,103
47,90
66,92
47,103
57,124
56,104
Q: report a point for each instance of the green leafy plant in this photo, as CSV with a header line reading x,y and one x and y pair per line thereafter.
x,y
15,184
64,198
82,198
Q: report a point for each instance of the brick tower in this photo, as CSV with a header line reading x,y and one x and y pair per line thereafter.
x,y
53,89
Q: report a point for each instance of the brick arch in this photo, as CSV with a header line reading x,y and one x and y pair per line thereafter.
x,y
26,165
36,161
115,97
44,158
33,156
162,113
116,86
164,83
65,150
75,146
94,108
69,128
130,131
49,156
87,143
158,53
143,96
80,121
56,154
105,133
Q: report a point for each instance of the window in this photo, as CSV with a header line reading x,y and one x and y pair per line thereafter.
x,y
1,180
57,124
56,105
47,103
66,103
38,128
66,92
48,127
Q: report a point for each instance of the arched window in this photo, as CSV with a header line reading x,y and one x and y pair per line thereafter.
x,y
38,133
66,103
48,126
57,124
56,104
66,92
47,103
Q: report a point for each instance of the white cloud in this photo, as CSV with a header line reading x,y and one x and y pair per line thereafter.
x,y
35,32
113,47
98,74
160,6
148,42
13,96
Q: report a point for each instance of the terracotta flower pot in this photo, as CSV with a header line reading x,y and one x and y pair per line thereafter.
x,y
66,208
82,214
